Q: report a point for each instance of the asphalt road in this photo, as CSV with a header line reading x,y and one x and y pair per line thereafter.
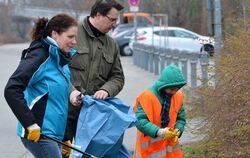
x,y
136,80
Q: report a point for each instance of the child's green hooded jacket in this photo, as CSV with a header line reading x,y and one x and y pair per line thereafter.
x,y
171,77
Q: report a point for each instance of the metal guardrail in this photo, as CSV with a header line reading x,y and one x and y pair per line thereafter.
x,y
193,64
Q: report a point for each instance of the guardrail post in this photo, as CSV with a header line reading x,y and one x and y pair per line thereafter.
x,y
183,60
134,53
146,59
143,58
151,60
176,57
204,59
156,61
162,59
140,60
168,57
193,66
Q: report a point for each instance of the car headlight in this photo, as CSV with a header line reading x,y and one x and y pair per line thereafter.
x,y
206,40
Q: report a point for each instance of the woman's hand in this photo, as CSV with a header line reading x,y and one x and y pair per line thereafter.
x,y
74,98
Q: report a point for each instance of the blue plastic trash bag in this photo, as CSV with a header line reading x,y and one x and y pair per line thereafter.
x,y
101,126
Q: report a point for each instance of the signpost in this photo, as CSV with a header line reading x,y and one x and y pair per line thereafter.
x,y
134,8
133,2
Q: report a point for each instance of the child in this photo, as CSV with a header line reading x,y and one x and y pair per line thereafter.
x,y
161,116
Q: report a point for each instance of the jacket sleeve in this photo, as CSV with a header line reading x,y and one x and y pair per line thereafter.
x,y
17,83
115,82
181,121
144,125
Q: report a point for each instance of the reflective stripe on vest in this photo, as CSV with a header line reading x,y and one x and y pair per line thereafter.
x,y
152,140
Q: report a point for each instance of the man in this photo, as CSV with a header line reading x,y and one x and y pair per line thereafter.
x,y
96,67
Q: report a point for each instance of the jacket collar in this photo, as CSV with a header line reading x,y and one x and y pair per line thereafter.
x,y
90,32
95,31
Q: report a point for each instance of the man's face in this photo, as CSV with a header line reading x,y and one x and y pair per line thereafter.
x,y
107,22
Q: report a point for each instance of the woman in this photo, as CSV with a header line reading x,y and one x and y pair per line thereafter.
x,y
161,116
38,90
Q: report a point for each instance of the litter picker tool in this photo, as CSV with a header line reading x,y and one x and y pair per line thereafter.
x,y
62,143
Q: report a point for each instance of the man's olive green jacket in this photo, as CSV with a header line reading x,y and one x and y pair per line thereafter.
x,y
95,66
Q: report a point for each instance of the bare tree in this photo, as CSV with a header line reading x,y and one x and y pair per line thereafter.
x,y
6,17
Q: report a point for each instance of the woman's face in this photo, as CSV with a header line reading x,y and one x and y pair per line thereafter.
x,y
171,91
67,39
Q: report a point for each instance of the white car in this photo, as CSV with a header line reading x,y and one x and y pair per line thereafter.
x,y
174,38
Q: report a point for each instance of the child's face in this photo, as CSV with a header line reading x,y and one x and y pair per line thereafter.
x,y
171,91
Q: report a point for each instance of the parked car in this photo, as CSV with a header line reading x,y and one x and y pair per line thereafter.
x,y
122,35
123,32
174,38
122,38
122,27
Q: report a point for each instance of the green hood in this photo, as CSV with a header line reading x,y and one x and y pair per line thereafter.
x,y
171,77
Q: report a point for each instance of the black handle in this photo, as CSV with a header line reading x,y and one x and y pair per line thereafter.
x,y
62,143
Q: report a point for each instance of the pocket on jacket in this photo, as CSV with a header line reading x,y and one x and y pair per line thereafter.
x,y
78,67
106,65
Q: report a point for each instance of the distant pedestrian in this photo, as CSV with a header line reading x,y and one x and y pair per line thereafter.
x,y
161,116
38,91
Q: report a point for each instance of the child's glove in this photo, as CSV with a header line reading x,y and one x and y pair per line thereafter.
x,y
166,133
66,150
175,140
177,134
34,133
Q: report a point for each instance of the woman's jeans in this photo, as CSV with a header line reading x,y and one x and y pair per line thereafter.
x,y
44,148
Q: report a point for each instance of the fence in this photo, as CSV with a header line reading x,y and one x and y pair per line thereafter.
x,y
193,64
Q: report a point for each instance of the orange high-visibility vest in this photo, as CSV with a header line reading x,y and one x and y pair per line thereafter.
x,y
147,147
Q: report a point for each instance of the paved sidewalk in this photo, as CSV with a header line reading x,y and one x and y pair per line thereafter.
x,y
136,80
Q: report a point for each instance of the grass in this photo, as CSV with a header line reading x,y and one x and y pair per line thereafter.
x,y
193,150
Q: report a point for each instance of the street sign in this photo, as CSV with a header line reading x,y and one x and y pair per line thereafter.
x,y
134,8
134,2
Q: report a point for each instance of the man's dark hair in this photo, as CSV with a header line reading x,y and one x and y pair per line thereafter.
x,y
104,6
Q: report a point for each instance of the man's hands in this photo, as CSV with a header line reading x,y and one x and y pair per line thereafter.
x,y
34,132
66,150
101,94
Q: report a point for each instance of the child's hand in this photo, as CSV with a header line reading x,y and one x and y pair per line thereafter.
x,y
166,133
177,134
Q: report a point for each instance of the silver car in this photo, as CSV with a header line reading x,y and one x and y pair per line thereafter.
x,y
174,38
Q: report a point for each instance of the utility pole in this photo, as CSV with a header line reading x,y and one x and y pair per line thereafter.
x,y
210,8
244,14
217,25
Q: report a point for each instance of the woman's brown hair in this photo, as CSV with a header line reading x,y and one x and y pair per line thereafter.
x,y
44,27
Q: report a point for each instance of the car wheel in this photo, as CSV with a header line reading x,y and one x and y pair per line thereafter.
x,y
126,51
209,49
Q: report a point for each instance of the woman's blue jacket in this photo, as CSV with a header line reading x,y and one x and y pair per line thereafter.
x,y
38,91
